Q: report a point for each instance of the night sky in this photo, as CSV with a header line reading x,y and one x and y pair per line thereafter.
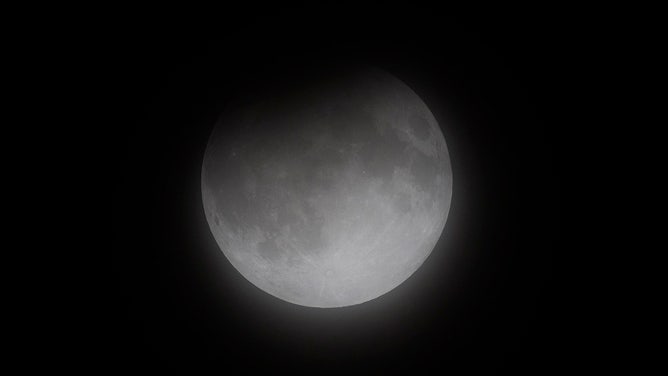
x,y
486,298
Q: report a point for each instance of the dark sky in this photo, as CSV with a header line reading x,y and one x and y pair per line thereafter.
x,y
170,297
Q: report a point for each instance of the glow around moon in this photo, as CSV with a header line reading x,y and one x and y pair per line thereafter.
x,y
331,196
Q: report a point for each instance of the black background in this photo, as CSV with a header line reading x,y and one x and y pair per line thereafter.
x,y
486,299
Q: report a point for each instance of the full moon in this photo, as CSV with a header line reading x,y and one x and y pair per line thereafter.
x,y
332,194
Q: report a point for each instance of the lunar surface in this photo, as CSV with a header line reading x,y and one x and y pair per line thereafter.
x,y
330,196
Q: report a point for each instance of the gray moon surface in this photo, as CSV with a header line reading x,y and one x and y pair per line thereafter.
x,y
332,195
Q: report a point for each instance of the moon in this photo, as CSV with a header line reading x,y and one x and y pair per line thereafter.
x,y
331,195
